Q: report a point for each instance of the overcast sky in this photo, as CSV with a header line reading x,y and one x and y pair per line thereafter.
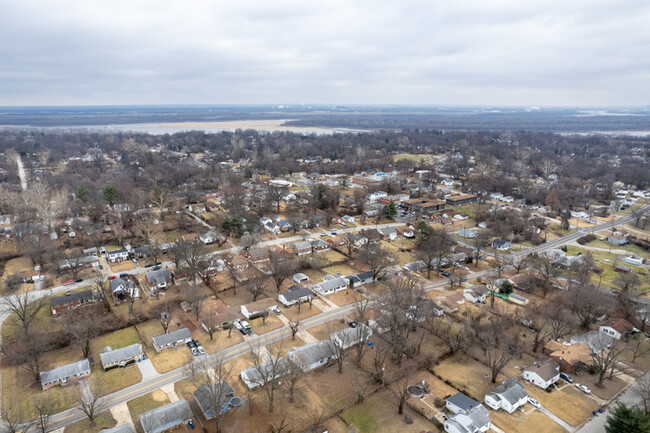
x,y
496,52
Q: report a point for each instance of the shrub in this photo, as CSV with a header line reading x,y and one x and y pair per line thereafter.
x,y
586,239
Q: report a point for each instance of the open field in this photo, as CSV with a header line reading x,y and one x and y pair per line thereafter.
x,y
466,375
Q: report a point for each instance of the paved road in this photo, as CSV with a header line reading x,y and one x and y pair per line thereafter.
x,y
146,386
597,424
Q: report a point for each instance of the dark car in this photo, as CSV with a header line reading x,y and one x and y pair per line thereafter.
x,y
566,377
446,274
125,275
352,324
78,280
101,267
191,344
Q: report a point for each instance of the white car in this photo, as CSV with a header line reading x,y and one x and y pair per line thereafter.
x,y
324,234
201,350
583,388
534,402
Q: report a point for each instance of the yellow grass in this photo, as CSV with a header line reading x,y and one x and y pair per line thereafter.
x,y
466,375
102,421
517,422
144,404
567,403
271,323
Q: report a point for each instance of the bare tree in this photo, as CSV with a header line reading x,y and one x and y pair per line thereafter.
x,y
25,306
14,420
90,403
399,388
81,328
479,243
255,286
587,303
43,408
638,347
520,263
547,268
281,268
432,249
292,379
293,326
606,355
498,347
270,370
641,389
213,382
196,297
375,257
499,263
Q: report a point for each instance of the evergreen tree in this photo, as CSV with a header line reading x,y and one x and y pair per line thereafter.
x,y
625,419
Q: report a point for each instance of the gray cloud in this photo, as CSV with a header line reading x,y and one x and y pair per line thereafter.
x,y
548,52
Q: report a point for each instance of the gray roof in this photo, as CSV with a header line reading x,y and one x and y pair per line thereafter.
x,y
204,397
510,390
462,401
349,337
183,334
472,422
159,276
319,243
122,428
74,296
388,230
311,353
253,375
117,252
302,245
65,371
123,354
117,282
296,294
165,417
415,266
596,340
332,284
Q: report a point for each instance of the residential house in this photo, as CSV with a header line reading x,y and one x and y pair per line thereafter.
x,y
222,318
467,233
171,339
123,287
313,355
337,241
301,248
501,245
358,240
428,308
461,200
159,279
190,237
254,377
180,274
166,417
543,373
572,358
360,279
320,245
636,261
80,262
239,263
65,373
272,227
197,208
389,233
372,235
617,328
416,267
451,301
406,231
70,301
617,240
210,237
206,395
285,226
476,293
121,357
509,396
117,256
91,252
333,285
470,416
258,307
258,255
349,337
295,295
596,340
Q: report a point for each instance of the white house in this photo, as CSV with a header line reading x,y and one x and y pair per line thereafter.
x,y
254,377
467,233
349,337
171,339
476,293
258,307
313,355
389,233
336,284
617,328
509,396
470,416
117,256
543,373
209,237
376,195
295,295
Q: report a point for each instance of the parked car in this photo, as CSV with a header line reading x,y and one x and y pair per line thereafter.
x,y
112,277
566,377
135,259
240,327
352,324
200,349
446,274
583,388
124,275
534,402
67,283
277,311
324,234
333,233
78,280
195,352
101,267
191,344
245,325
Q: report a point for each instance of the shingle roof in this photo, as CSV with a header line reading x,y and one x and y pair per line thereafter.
x,y
65,371
122,354
204,397
159,276
74,296
296,294
172,337
462,401
165,417
546,369
510,390
252,374
311,353
332,284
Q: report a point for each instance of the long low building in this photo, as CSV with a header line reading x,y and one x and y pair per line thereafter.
x,y
313,355
121,357
166,417
253,377
171,339
65,373
63,303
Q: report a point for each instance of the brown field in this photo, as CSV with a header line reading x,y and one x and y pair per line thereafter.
x,y
524,422
306,311
144,404
102,421
466,375
567,403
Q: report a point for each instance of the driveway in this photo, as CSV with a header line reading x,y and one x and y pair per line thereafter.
x,y
147,369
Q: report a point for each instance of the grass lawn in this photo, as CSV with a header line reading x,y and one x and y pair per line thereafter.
x,y
117,339
516,422
412,157
171,359
43,321
144,404
322,332
378,414
19,395
344,297
102,421
117,378
466,375
568,403
342,269
113,247
292,312
125,265
271,323
220,340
